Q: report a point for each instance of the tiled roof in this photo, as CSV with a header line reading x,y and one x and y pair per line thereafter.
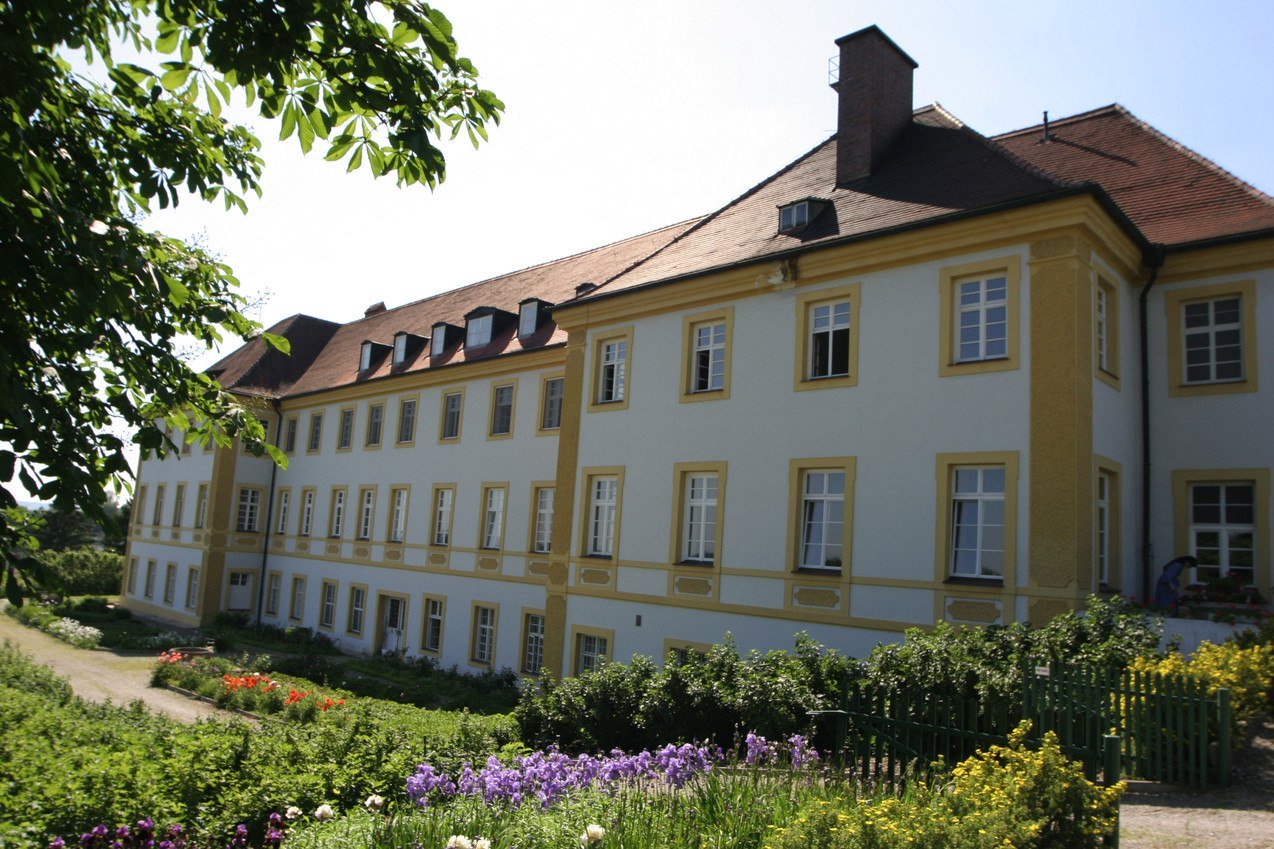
x,y
1173,195
325,355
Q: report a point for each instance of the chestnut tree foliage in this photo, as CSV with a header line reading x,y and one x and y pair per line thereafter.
x,y
93,300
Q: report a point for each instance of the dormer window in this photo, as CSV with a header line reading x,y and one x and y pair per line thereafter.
x,y
478,332
793,217
400,347
528,319
438,342
406,345
365,357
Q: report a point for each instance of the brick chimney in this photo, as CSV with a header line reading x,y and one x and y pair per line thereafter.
x,y
874,92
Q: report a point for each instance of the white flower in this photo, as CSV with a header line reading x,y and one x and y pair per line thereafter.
x,y
98,227
482,843
373,801
592,834
292,812
459,841
323,813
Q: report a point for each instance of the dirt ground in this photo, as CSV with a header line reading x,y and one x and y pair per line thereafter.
x,y
1238,817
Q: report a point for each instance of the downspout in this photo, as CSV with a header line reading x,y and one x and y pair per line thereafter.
x,y
1154,259
269,513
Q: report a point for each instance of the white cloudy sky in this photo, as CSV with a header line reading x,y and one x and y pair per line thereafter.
x,y
624,117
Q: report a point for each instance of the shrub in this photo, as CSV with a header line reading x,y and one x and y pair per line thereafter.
x,y
82,571
1248,673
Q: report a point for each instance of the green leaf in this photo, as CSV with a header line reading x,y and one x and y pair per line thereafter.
x,y
176,77
278,343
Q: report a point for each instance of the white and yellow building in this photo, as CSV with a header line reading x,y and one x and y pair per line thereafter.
x,y
919,374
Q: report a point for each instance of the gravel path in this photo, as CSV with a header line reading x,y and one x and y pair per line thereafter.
x,y
99,676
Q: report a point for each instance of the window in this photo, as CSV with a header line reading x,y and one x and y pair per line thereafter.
x,y
551,396
201,506
150,578
1211,339
478,332
397,514
327,608
179,505
192,588
406,421
1223,530
345,433
316,432
542,498
532,643
296,610
431,635
170,583
492,517
822,519
698,524
502,410
438,340
139,505
400,348
452,406
375,421
976,512
366,512
708,358
612,371
365,356
357,607
603,508
285,500
794,216
289,435
1105,527
482,642
273,589
336,520
132,576
443,497
1106,332
249,510
307,512
158,517
979,330
827,338
591,651
528,319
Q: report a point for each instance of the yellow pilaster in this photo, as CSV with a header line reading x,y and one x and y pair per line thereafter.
x,y
557,586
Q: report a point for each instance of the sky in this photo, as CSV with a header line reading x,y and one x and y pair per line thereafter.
x,y
622,118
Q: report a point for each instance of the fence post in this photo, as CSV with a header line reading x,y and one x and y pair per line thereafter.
x,y
1111,770
1223,736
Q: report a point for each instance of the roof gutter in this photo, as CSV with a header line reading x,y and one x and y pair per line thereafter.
x,y
269,512
1154,260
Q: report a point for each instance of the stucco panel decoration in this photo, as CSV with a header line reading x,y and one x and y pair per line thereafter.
x,y
333,548
276,543
967,610
537,567
361,551
246,542
393,554
692,586
815,597
437,558
490,564
598,577
1044,609
302,545
557,573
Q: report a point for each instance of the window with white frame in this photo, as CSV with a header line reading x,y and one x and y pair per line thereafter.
x,y
478,332
249,510
273,590
285,501
977,522
357,607
1223,530
493,518
327,609
1213,340
551,415
192,588
483,634
1102,530
542,538
345,433
438,342
366,513
400,348
179,505
139,505
982,319
603,500
793,216
431,638
590,652
1103,328
829,340
158,517
375,422
201,506
442,516
398,515
132,576
307,513
502,410
336,521
533,646
316,432
170,583
613,370
407,420
822,519
297,609
151,566
365,356
699,527
708,357
289,435
528,319
452,404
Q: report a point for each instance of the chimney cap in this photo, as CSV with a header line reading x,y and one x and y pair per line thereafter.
x,y
840,42
374,309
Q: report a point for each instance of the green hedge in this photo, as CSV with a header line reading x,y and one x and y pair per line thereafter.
x,y
84,571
